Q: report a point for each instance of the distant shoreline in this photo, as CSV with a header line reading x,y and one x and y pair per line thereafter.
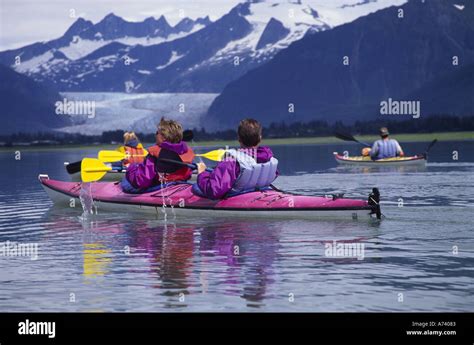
x,y
412,137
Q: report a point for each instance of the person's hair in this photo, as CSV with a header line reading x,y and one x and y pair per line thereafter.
x,y
171,130
384,132
250,132
128,137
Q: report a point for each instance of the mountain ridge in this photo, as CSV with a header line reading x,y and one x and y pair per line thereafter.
x,y
84,69
382,50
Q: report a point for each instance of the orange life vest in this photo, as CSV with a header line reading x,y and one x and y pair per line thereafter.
x,y
136,155
181,174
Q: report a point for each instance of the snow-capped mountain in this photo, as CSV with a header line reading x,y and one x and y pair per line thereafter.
x,y
193,56
426,56
84,37
276,24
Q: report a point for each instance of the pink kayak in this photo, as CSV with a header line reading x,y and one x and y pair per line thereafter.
x,y
184,201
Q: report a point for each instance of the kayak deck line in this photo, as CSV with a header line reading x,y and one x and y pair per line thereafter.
x,y
110,194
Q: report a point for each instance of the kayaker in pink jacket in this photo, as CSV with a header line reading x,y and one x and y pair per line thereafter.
x,y
249,168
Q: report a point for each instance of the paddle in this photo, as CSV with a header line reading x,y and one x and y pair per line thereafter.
x,y
115,156
425,154
93,170
215,155
349,137
189,165
75,167
107,156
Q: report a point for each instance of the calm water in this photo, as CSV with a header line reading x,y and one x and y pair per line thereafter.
x,y
419,258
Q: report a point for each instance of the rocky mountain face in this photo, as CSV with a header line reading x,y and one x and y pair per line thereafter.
x,y
26,105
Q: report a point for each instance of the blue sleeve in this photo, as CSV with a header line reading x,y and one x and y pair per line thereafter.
x,y
375,150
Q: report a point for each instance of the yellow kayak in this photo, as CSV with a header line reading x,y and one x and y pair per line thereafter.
x,y
367,161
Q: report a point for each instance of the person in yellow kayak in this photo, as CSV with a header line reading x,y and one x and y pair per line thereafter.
x,y
384,147
133,148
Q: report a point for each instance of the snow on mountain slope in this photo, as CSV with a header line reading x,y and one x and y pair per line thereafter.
x,y
298,17
391,57
174,57
33,65
148,41
194,56
274,25
84,38
78,47
338,12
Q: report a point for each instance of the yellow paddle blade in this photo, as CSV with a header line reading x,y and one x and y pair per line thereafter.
x,y
116,156
93,170
111,156
215,155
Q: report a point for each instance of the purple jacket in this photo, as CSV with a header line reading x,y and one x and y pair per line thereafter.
x,y
144,175
215,184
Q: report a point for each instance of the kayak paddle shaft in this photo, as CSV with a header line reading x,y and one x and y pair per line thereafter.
x,y
189,165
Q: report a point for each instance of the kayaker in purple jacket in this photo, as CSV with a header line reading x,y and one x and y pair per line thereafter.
x,y
248,168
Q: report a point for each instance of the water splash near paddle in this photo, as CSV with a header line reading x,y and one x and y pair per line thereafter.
x,y
170,204
163,201
87,201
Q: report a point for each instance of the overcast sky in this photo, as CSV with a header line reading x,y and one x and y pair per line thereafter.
x,y
27,21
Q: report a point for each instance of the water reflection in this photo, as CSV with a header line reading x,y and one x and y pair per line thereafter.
x,y
169,249
248,251
96,260
237,257
188,258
